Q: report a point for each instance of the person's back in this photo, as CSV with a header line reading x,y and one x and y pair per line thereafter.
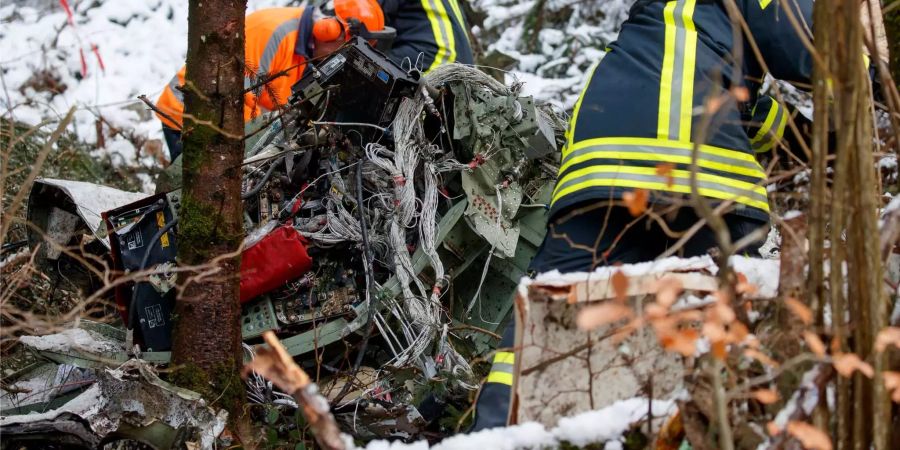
x,y
660,90
674,80
271,36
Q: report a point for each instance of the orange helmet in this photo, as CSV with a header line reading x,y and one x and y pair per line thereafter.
x,y
341,15
366,11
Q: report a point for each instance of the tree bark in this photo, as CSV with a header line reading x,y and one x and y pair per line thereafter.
x,y
843,100
206,344
892,27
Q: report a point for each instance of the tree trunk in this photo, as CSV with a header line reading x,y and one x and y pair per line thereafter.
x,y
206,345
842,88
892,27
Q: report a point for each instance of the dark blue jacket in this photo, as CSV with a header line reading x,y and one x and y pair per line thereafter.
x,y
659,91
434,28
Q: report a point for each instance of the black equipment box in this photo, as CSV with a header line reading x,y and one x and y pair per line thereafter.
x,y
355,84
131,231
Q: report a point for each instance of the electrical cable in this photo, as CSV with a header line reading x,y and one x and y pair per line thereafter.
x,y
370,278
258,187
12,246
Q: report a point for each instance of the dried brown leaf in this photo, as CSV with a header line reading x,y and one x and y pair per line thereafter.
x,y
743,286
740,93
887,337
620,285
809,436
655,311
668,289
714,103
814,343
719,350
891,380
847,363
598,315
799,309
715,332
665,170
765,396
737,332
720,311
683,342
892,384
723,313
835,345
636,201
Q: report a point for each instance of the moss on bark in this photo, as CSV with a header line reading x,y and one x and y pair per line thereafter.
x,y
206,343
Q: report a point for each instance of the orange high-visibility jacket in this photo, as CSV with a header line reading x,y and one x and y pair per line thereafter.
x,y
271,47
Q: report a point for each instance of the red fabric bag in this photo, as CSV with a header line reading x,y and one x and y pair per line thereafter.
x,y
277,258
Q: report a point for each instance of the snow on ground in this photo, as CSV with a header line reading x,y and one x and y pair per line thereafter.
x,y
141,45
606,425
762,273
573,38
38,387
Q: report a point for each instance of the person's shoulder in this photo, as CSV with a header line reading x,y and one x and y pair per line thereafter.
x,y
275,14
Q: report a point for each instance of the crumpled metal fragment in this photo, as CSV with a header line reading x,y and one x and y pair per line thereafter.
x,y
129,402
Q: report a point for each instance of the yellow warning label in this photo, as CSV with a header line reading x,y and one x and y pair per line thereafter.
x,y
161,221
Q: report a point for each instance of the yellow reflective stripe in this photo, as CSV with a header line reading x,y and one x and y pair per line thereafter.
x,y
662,157
652,142
676,81
662,185
782,123
668,69
500,377
688,65
448,29
767,124
443,32
764,3
504,358
459,17
570,139
779,133
677,173
436,30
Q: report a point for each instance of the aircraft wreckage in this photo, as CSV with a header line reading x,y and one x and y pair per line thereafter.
x,y
380,197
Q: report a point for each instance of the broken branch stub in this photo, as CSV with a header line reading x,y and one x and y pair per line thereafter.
x,y
276,365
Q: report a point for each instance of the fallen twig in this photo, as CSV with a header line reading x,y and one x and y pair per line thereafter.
x,y
276,365
153,107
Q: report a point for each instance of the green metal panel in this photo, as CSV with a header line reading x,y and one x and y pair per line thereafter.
x,y
257,317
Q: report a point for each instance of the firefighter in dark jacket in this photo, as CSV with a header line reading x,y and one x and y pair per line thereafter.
x,y
634,129
429,33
